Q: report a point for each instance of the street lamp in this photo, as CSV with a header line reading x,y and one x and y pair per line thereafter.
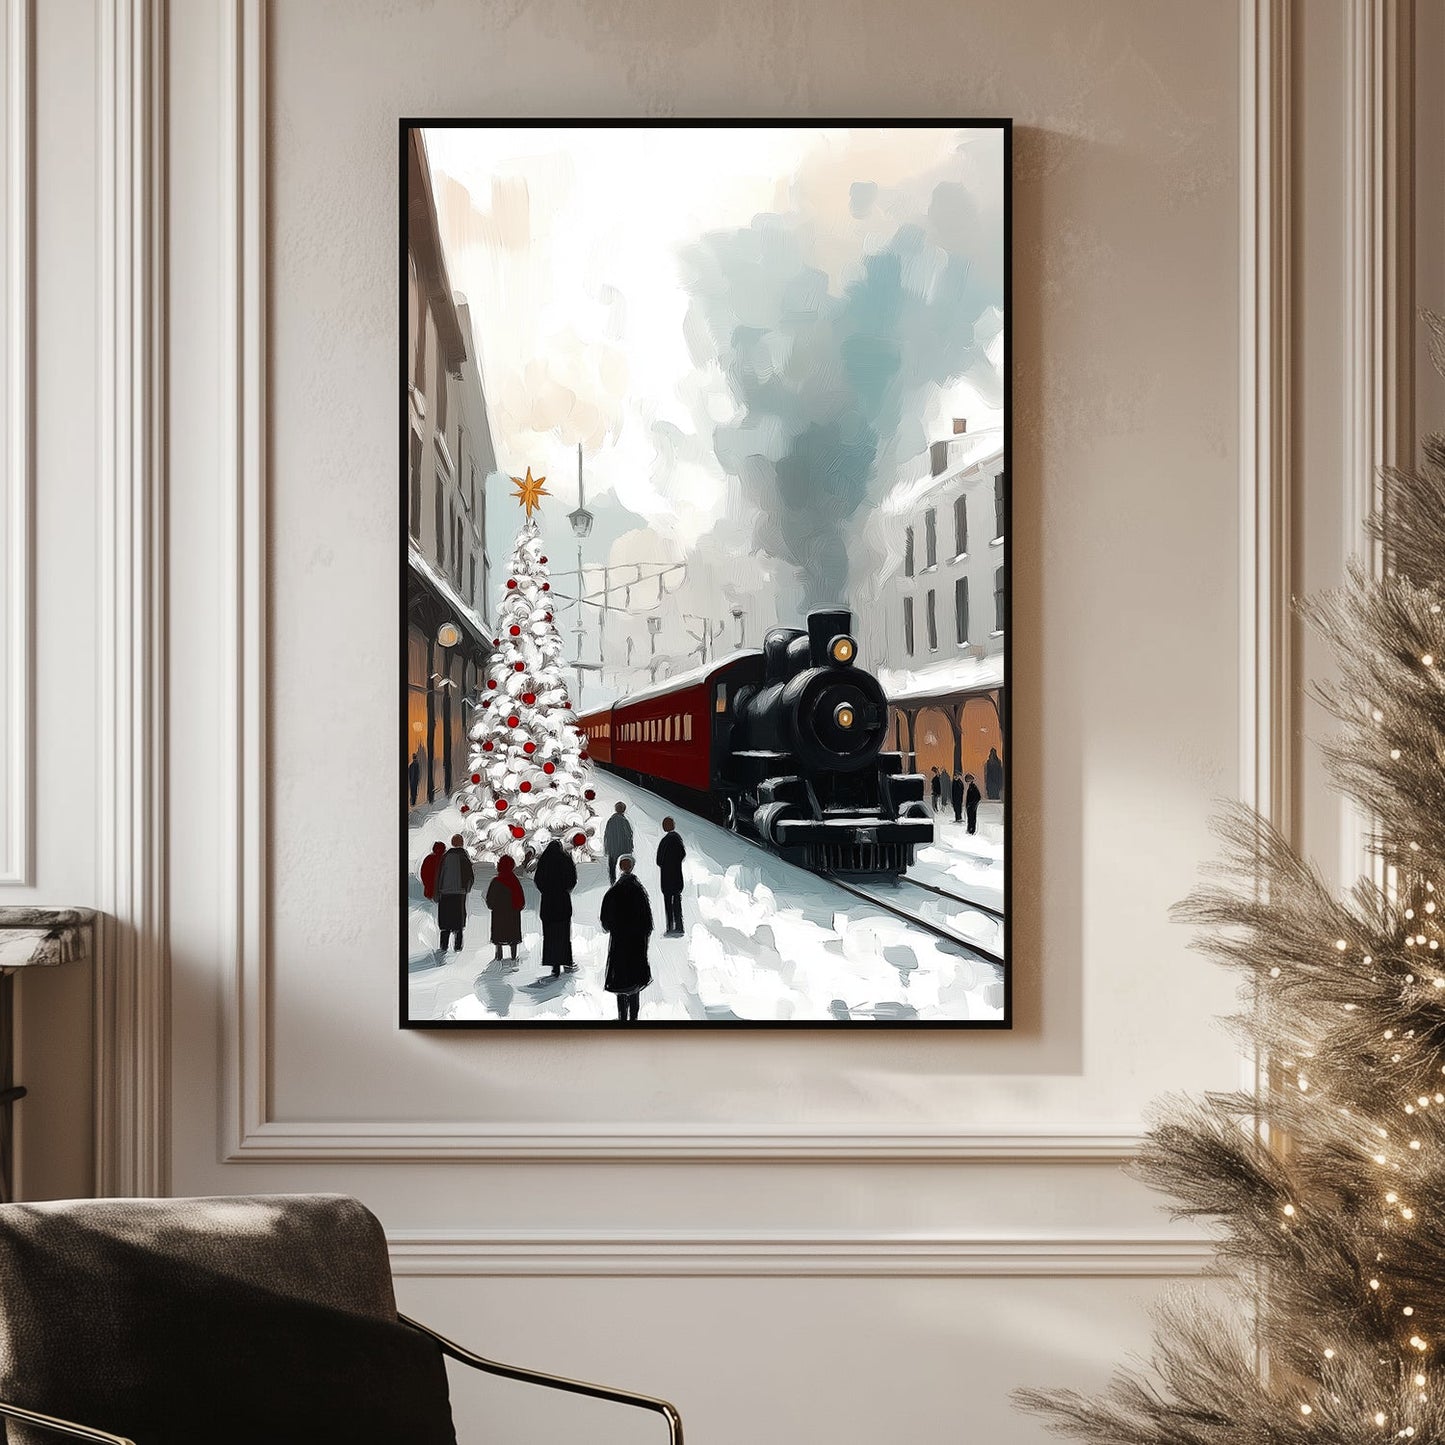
x,y
654,626
581,521
738,618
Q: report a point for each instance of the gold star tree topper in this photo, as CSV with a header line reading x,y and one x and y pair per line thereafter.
x,y
530,491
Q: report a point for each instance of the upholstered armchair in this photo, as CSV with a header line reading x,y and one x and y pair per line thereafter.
x,y
162,1321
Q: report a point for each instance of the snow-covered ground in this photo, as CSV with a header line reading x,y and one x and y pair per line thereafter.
x,y
973,866
765,940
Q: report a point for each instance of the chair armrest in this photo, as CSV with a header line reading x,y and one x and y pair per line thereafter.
x,y
61,1427
557,1382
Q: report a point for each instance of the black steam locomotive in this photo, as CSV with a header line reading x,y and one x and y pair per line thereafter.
x,y
785,744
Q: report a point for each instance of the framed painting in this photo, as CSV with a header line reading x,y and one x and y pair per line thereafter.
x,y
704,545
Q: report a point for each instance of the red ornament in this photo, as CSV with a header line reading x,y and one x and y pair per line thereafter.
x,y
578,839
529,747
519,667
589,795
526,787
541,559
513,720
486,702
486,748
477,777
491,682
547,618
465,808
546,587
584,756
501,805
511,584
549,767
515,631
529,698
518,831
496,642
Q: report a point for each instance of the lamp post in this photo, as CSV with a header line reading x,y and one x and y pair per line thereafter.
x,y
654,626
738,617
581,520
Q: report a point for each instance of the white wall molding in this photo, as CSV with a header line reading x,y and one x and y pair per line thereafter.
x,y
250,1131
133,1045
1380,282
17,451
423,1254
423,1142
1266,201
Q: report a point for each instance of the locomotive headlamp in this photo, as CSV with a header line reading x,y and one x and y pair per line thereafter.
x,y
843,649
843,715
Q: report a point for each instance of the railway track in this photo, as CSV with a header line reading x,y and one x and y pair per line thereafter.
x,y
947,935
977,950
956,898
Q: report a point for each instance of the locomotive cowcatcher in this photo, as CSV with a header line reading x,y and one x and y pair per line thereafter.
x,y
784,745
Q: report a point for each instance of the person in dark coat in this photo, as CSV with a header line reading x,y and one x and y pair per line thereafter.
x,y
670,853
627,920
556,877
455,876
413,775
970,802
957,799
505,898
616,839
993,776
430,867
935,788
945,788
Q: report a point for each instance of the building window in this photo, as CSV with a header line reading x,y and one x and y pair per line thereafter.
x,y
1000,502
931,616
908,553
472,580
442,402
908,625
441,522
960,608
416,486
999,600
960,526
938,458
419,372
457,549
930,538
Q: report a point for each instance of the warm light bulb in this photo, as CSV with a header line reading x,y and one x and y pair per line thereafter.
x,y
1419,1379
1289,1210
1392,1198
1379,1417
1305,1410
1408,1310
1395,754
1329,1354
1341,944
1428,660
1374,1284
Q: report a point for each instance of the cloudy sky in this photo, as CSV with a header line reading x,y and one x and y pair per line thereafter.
x,y
749,331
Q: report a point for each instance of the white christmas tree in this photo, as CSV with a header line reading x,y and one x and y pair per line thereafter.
x,y
530,777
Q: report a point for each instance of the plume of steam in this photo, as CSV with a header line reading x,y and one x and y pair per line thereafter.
x,y
830,379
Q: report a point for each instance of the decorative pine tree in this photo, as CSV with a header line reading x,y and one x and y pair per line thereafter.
x,y
1328,1188
530,775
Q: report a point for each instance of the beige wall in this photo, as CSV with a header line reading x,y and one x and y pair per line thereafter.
x,y
889,1230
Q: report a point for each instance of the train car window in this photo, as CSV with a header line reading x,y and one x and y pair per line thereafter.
x,y
667,730
722,698
687,727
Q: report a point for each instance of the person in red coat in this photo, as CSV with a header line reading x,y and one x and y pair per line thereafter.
x,y
506,899
430,865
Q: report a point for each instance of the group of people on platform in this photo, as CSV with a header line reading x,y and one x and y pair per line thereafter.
x,y
962,791
448,875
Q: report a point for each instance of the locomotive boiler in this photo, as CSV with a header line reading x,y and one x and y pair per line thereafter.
x,y
785,744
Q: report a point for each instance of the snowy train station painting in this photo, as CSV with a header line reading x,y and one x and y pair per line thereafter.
x,y
705,470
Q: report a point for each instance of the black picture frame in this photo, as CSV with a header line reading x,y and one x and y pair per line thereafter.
x,y
607,1026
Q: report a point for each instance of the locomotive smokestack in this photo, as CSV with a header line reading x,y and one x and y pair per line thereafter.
x,y
823,629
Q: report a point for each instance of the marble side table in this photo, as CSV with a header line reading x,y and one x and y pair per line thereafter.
x,y
30,937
